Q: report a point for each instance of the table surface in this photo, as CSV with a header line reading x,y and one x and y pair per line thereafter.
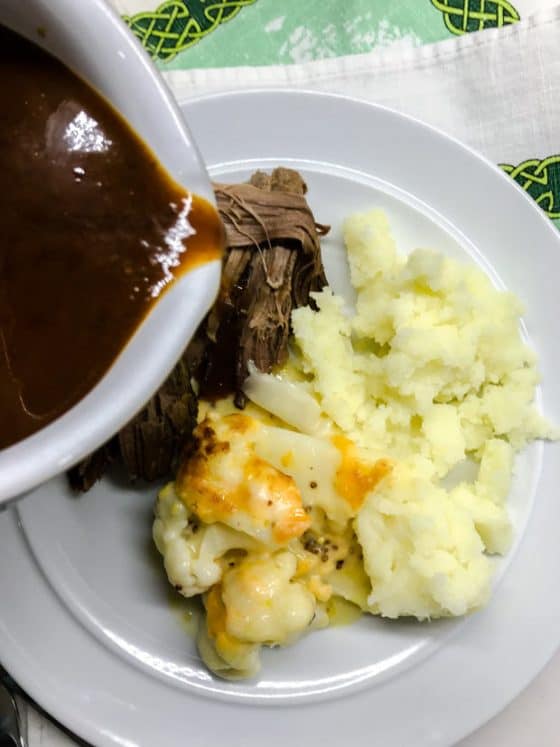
x,y
529,720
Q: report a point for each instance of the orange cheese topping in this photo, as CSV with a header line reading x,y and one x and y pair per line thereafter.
x,y
355,478
225,481
226,645
215,612
287,459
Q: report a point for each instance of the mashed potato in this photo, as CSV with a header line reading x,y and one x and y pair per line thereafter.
x,y
429,370
335,483
431,363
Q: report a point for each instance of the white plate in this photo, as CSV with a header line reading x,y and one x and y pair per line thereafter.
x,y
86,625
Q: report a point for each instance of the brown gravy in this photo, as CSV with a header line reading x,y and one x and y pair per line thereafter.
x,y
93,229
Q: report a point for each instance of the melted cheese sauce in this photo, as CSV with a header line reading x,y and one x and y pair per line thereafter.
x,y
275,545
225,481
355,478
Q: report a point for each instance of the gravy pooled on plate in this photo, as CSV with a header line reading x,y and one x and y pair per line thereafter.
x,y
93,231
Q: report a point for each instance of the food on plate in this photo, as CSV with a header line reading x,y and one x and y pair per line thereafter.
x,y
370,468
259,521
429,370
272,263
330,460
150,445
93,232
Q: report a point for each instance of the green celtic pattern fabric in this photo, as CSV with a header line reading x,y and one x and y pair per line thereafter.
x,y
178,24
540,179
182,34
462,16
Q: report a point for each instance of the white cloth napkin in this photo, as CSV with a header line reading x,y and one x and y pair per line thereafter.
x,y
496,90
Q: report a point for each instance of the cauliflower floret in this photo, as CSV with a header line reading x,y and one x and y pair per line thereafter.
x,y
330,473
192,552
224,480
263,604
258,602
223,653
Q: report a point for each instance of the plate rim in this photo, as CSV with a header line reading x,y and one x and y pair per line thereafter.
x,y
305,92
